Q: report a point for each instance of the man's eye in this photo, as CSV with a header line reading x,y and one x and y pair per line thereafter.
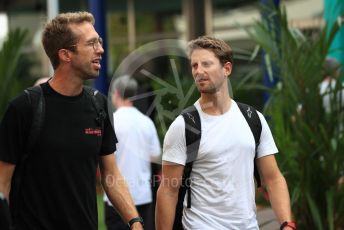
x,y
100,40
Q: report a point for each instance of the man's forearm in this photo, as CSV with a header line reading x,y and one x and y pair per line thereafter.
x,y
6,172
165,209
117,191
279,199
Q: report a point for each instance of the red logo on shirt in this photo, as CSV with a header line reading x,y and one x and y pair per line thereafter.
x,y
93,131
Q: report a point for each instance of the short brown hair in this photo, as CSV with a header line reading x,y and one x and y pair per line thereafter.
x,y
58,35
220,48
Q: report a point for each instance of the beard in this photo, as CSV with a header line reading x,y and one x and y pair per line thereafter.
x,y
206,86
210,89
85,71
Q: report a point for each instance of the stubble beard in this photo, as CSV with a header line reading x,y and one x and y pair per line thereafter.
x,y
207,89
87,73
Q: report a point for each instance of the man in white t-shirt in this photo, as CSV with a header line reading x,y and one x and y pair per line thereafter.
x,y
138,145
223,188
329,83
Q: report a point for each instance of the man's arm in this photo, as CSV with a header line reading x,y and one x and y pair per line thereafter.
x,y
6,172
277,188
167,195
117,190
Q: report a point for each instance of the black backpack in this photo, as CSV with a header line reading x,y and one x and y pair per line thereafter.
x,y
193,138
37,101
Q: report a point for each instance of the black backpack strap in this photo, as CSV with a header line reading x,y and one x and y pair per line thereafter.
x,y
192,139
98,104
255,124
37,102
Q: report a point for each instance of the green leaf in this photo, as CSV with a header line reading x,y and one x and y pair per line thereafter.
x,y
315,212
10,55
330,206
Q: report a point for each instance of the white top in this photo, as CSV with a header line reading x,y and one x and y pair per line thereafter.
x,y
327,88
222,189
137,142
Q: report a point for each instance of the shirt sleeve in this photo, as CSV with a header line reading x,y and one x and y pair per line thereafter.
x,y
14,130
174,148
267,144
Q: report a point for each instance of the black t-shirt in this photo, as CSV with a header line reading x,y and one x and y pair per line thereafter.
x,y
58,188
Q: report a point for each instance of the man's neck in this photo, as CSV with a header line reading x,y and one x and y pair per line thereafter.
x,y
66,84
124,103
215,104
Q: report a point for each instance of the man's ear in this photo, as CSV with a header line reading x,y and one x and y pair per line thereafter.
x,y
116,98
65,55
116,93
228,68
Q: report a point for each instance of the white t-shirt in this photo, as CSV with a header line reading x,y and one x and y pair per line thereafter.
x,y
327,87
222,189
137,142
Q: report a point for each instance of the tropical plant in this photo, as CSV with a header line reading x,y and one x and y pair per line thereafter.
x,y
310,139
172,96
11,60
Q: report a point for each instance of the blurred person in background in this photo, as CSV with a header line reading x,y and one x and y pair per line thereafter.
x,y
138,145
331,76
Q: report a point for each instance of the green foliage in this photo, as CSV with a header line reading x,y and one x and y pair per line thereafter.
x,y
10,61
101,214
172,96
310,139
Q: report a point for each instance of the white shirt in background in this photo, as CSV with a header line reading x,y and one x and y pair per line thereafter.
x,y
137,142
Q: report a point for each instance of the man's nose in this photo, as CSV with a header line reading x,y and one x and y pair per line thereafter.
x,y
100,49
199,70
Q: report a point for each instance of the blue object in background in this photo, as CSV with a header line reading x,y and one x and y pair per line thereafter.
x,y
269,79
97,8
332,12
